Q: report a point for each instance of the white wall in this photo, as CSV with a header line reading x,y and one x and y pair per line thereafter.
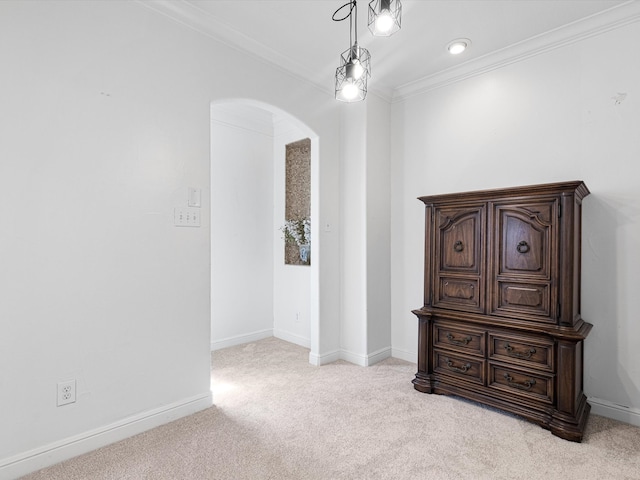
x,y
552,117
353,228
105,123
378,170
291,283
365,245
242,203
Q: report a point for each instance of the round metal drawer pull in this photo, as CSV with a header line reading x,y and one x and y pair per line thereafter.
x,y
458,246
523,247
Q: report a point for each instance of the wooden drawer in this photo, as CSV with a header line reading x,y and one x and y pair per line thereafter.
x,y
459,337
525,383
527,351
466,368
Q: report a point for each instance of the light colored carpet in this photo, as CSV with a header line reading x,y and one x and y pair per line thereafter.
x,y
277,417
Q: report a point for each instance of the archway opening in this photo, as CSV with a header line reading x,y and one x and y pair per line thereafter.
x,y
254,294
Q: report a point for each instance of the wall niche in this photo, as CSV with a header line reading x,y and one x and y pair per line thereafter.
x,y
297,192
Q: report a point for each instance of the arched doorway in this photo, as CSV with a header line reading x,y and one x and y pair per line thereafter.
x,y
254,295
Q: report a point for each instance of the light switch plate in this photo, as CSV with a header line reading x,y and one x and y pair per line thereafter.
x,y
194,197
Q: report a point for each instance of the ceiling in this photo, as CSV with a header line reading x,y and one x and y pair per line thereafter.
x,y
300,36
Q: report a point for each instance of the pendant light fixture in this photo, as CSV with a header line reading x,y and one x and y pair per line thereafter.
x,y
355,63
385,17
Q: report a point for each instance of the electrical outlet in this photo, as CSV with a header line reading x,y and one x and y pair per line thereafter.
x,y
186,217
66,392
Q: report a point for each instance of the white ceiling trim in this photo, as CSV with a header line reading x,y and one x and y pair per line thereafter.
x,y
200,20
593,25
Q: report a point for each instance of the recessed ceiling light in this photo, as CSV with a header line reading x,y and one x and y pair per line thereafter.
x,y
458,46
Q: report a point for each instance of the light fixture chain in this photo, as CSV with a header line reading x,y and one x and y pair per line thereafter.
x,y
352,5
355,7
351,26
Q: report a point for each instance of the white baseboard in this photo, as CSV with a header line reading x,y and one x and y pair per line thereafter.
x,y
240,339
56,452
609,409
323,359
404,355
378,356
292,338
355,358
365,360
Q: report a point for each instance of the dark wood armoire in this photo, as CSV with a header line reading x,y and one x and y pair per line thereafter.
x,y
501,320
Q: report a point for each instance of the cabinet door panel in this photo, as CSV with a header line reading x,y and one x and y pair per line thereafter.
x,y
524,246
458,292
514,298
523,296
525,239
459,238
459,248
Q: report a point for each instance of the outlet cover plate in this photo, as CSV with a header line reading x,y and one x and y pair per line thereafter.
x,y
186,217
66,392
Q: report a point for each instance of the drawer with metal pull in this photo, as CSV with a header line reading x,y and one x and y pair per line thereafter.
x,y
525,383
527,351
460,366
459,337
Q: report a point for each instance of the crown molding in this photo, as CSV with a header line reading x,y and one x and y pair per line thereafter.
x,y
602,22
195,18
191,16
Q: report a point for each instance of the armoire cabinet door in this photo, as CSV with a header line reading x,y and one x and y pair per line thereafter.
x,y
459,247
524,248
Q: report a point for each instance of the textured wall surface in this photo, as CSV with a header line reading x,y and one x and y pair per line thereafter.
x,y
298,191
